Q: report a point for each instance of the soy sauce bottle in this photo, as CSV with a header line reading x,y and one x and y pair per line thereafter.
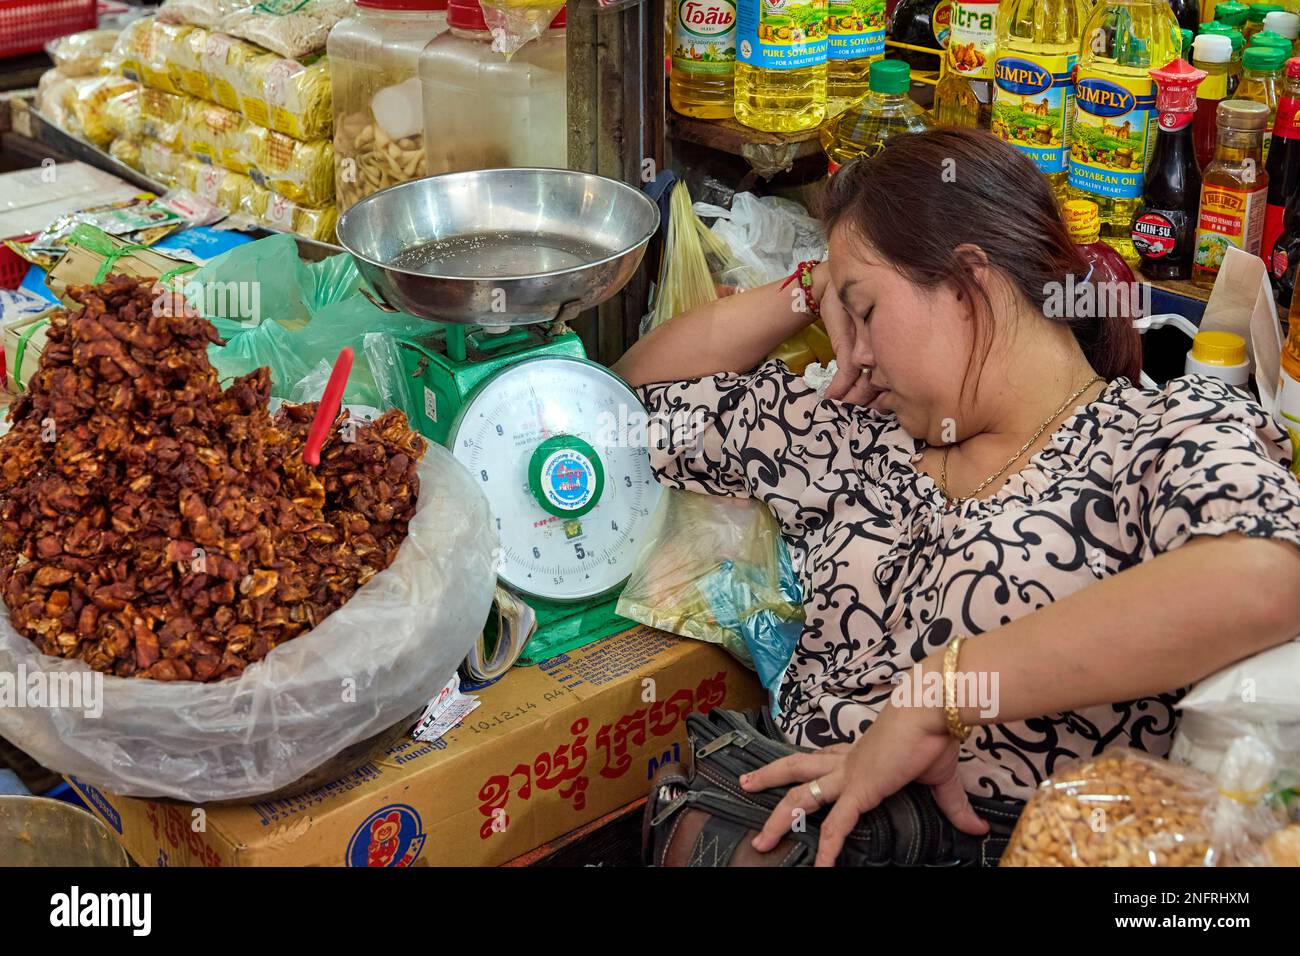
x,y
1164,226
1187,13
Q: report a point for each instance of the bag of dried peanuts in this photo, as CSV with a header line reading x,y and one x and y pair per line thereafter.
x,y
1128,808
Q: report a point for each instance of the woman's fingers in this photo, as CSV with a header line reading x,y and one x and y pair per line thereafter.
x,y
954,803
795,768
835,829
845,379
794,807
861,392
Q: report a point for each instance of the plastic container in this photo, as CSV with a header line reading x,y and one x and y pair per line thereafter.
x,y
1238,48
27,25
702,80
1113,133
1232,14
1033,95
1263,70
1282,22
781,59
886,111
1187,13
856,38
1107,270
1211,53
483,111
964,97
1219,355
374,79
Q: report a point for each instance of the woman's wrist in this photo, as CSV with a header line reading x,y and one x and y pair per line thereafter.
x,y
821,277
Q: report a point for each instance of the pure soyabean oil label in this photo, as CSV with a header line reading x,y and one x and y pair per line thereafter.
x,y
704,36
857,29
781,34
1111,138
1031,106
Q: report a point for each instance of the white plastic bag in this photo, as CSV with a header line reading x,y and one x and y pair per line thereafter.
x,y
378,658
770,235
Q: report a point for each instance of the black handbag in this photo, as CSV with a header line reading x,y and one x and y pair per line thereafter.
x,y
698,815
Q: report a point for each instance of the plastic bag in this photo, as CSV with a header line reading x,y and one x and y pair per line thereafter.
x,y
709,563
80,54
770,235
396,642
201,13
90,105
291,28
301,172
1128,808
514,22
1260,697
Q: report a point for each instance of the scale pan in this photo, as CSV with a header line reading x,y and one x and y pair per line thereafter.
x,y
499,246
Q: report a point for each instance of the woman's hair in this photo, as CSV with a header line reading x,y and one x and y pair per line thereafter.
x,y
929,193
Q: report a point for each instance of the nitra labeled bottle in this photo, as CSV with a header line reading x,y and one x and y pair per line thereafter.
x,y
1112,136
1234,189
1164,228
856,35
964,97
704,58
1033,77
781,53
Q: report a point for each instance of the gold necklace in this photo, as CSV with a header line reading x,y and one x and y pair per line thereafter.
x,y
943,468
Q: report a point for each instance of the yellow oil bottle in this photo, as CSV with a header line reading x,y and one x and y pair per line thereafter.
x,y
1033,87
964,97
1113,129
704,58
781,51
856,35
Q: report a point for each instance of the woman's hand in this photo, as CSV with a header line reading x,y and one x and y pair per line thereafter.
x,y
902,745
852,383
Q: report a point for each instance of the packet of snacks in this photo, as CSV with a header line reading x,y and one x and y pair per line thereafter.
x,y
140,53
291,28
1127,808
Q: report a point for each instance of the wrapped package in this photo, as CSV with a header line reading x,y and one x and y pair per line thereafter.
x,y
139,53
162,117
200,13
160,162
90,105
277,212
301,172
126,149
287,96
216,184
217,136
1127,808
80,54
122,114
290,28
222,63
55,94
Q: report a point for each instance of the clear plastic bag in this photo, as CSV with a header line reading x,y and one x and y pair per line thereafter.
x,y
291,28
375,660
80,54
1128,808
514,22
708,565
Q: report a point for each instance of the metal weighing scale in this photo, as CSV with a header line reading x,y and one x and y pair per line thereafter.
x,y
500,260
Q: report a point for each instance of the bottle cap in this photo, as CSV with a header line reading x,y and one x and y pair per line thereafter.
x,y
1082,221
1287,24
1292,67
1176,84
1270,39
1238,40
1219,348
890,76
1263,59
1187,42
1258,11
1211,48
1231,13
1215,27
1244,115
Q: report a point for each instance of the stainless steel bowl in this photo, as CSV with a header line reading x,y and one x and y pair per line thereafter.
x,y
36,831
499,246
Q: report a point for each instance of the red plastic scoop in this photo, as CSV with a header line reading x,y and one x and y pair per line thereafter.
x,y
329,407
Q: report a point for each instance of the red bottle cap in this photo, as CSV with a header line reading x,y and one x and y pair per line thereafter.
x,y
403,4
468,15
1176,88
1293,67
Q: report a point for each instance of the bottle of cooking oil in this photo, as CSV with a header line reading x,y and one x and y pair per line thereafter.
x,y
1033,86
964,97
1263,73
704,58
856,35
886,111
781,64
1115,106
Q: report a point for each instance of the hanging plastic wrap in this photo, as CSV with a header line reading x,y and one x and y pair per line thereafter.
x,y
515,22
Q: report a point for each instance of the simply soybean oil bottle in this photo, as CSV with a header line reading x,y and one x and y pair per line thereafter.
x,y
1037,48
781,50
1113,135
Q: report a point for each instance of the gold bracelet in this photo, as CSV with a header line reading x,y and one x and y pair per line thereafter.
x,y
952,715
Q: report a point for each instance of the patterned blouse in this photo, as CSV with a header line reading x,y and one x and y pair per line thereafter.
x,y
890,571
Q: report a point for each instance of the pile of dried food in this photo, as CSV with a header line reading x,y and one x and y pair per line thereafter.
x,y
153,524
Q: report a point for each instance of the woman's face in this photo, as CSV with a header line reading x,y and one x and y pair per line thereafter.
x,y
916,341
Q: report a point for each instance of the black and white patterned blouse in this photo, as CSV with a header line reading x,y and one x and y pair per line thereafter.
x,y
890,572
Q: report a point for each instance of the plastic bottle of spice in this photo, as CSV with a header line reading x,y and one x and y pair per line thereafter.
x,y
378,120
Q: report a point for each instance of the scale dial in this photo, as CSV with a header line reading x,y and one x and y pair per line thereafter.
x,y
554,445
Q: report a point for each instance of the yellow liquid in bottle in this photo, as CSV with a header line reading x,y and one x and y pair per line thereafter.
x,y
964,97
1035,38
703,48
781,100
1123,41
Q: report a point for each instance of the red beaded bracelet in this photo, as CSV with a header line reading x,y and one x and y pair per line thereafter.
x,y
803,273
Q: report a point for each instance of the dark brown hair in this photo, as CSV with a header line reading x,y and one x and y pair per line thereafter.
x,y
929,193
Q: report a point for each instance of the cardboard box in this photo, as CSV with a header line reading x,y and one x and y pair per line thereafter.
x,y
549,748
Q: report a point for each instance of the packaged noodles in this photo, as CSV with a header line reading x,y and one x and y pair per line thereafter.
x,y
222,62
287,96
140,53
122,113
236,192
80,54
302,172
291,28
160,162
90,105
216,135
126,149
162,116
